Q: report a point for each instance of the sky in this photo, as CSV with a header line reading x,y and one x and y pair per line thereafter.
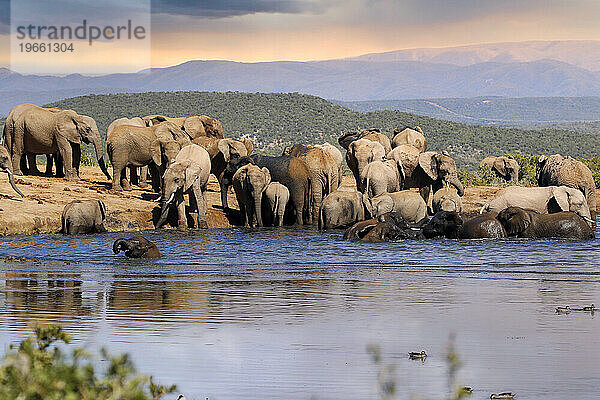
x,y
268,30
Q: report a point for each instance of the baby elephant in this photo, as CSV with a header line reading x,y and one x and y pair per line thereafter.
x,y
529,224
136,247
341,208
405,203
83,216
275,199
447,199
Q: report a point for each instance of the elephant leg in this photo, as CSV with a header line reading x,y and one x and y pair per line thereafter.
x,y
60,165
154,177
280,212
49,162
76,149
257,208
242,207
133,176
200,193
32,164
23,163
117,175
143,177
124,182
64,147
224,190
17,150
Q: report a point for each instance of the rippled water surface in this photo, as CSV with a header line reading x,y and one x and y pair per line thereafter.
x,y
288,314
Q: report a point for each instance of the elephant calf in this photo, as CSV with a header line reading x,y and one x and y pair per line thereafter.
x,y
275,199
341,209
83,216
136,247
529,224
249,183
406,204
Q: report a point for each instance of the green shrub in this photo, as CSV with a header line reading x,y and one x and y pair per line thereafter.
x,y
37,369
594,165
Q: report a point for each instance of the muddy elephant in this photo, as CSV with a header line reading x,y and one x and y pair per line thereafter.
x,y
221,151
323,171
383,176
287,170
557,170
506,168
195,126
249,183
338,157
6,166
275,199
83,216
386,227
360,153
413,137
136,247
31,130
188,174
341,209
544,200
446,199
140,146
529,224
452,225
408,205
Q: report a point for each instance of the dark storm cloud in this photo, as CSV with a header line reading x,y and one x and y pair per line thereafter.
x,y
230,8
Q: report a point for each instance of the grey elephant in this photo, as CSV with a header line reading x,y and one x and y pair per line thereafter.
x,y
221,151
383,176
30,129
446,199
529,224
274,202
136,247
506,168
323,173
557,170
406,204
249,183
373,135
188,174
544,200
338,157
360,153
6,166
139,146
83,216
341,209
195,125
413,137
134,178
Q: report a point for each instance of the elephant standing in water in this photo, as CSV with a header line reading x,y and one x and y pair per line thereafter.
x,y
408,205
83,216
505,167
6,166
360,153
30,129
275,199
187,174
341,208
249,183
136,247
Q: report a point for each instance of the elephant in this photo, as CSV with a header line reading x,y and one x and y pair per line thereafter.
x,y
30,130
195,126
133,174
337,156
249,183
451,225
83,216
6,166
446,199
413,137
386,227
544,200
506,168
383,176
323,172
221,151
408,205
141,146
287,170
557,170
529,224
360,153
189,174
425,170
341,209
275,199
136,247
372,134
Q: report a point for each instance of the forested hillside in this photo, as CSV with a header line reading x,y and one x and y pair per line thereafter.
x,y
276,120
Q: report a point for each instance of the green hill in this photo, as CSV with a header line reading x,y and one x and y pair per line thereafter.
x,y
277,120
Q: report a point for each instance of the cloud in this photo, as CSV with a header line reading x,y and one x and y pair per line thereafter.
x,y
231,8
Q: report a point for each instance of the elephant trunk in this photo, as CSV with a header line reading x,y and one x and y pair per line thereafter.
x,y
120,244
12,182
165,211
454,181
257,207
97,142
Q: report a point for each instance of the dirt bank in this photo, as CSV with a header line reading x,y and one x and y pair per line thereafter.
x,y
45,198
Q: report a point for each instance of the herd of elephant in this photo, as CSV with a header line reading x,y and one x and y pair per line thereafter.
x,y
301,186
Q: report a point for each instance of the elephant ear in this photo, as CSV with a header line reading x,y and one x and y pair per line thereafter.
x,y
418,129
102,209
194,127
223,146
385,205
401,174
192,173
156,152
68,125
500,165
267,174
248,144
561,196
429,162
517,221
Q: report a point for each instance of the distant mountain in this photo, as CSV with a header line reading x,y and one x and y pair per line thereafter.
x,y
493,110
347,80
581,53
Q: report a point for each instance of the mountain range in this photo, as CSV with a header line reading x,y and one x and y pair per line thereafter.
x,y
528,69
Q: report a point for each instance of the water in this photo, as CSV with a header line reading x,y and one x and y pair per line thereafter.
x,y
239,314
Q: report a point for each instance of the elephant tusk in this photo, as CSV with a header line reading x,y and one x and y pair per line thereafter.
x,y
157,200
591,221
12,182
170,198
